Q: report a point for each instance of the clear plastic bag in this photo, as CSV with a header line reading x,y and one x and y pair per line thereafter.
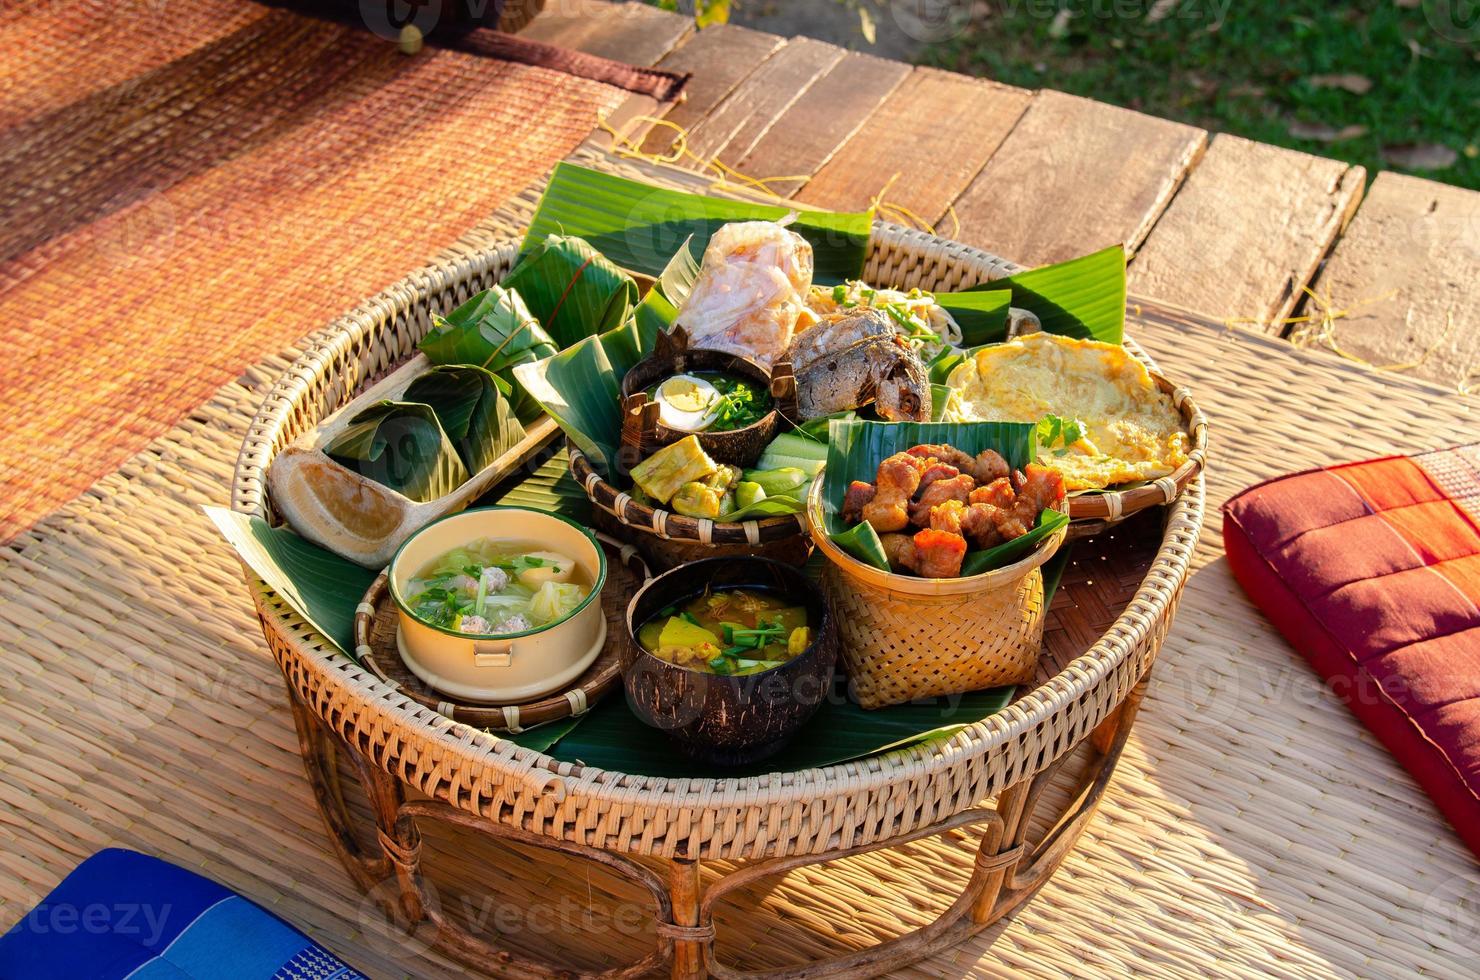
x,y
752,286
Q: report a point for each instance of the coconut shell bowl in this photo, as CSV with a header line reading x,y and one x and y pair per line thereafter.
x,y
643,431
730,720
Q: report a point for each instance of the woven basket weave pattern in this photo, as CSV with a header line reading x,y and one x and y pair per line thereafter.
x,y
898,646
809,812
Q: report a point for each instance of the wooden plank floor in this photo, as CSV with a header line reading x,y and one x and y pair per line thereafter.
x,y
1248,229
1225,228
1406,271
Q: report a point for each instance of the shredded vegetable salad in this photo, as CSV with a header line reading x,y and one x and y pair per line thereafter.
x,y
917,316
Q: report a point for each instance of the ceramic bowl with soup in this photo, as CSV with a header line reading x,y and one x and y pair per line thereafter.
x,y
499,605
729,656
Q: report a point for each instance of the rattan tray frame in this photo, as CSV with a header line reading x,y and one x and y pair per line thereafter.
x,y
991,775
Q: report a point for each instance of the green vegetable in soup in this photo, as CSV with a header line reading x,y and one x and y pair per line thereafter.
x,y
497,588
733,631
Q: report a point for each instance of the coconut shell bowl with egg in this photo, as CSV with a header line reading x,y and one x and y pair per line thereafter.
x,y
729,720
644,430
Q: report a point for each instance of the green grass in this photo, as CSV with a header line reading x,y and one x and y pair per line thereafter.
x,y
1249,71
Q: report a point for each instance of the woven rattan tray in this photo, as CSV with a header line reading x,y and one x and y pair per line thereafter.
x,y
480,782
375,644
722,817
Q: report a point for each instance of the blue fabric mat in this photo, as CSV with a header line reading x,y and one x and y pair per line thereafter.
x,y
123,914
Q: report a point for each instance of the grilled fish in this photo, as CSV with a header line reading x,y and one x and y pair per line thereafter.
x,y
881,370
836,331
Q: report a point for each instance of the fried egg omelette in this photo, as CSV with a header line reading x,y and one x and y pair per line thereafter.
x,y
1131,429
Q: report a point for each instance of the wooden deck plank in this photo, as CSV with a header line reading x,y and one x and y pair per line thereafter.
x,y
822,119
1420,242
636,33
1075,176
935,130
720,58
1247,230
739,122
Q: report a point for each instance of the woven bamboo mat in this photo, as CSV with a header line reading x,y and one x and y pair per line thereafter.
x,y
186,185
1252,828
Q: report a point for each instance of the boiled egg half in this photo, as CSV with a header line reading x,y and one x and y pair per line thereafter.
x,y
686,403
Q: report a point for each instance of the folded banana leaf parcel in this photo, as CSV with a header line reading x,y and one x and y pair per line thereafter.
x,y
572,289
449,423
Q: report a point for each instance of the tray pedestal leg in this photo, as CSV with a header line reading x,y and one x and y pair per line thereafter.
x,y
1008,870
689,938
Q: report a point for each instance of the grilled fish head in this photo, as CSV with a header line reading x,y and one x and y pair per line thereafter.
x,y
880,370
836,331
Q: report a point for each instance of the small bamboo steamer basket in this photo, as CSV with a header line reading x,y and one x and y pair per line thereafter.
x,y
905,637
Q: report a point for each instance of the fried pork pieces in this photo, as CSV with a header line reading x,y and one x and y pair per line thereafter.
x,y
929,501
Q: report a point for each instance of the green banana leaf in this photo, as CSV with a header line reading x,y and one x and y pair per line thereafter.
x,y
494,330
549,488
659,308
981,314
472,405
400,445
777,506
629,343
862,542
1083,297
1018,548
639,226
611,737
325,590
572,290
320,586
856,448
1053,571
941,366
579,389
940,399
